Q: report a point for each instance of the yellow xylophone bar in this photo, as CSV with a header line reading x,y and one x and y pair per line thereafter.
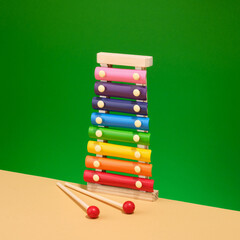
x,y
120,151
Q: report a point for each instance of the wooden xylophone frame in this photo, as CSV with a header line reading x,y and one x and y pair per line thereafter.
x,y
107,60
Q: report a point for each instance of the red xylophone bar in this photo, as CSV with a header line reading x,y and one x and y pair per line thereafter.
x,y
118,180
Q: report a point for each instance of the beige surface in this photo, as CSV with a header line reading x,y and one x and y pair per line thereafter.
x,y
33,208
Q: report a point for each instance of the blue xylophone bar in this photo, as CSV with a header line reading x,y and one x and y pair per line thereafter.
x,y
112,120
117,105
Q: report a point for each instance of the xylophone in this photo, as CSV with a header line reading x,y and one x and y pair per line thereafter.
x,y
122,117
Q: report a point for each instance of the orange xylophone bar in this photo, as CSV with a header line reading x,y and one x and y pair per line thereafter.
x,y
118,180
110,164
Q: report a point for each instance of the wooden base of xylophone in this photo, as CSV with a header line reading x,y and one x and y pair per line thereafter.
x,y
123,192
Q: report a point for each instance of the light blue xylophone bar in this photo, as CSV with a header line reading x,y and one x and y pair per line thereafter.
x,y
113,120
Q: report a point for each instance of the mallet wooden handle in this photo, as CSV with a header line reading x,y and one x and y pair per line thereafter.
x,y
73,196
92,211
111,202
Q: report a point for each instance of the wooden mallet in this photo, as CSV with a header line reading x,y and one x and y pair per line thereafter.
x,y
92,211
128,206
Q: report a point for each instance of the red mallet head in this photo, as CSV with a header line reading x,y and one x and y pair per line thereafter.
x,y
93,211
128,207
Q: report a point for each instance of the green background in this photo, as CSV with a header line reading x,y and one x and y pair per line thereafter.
x,y
48,56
